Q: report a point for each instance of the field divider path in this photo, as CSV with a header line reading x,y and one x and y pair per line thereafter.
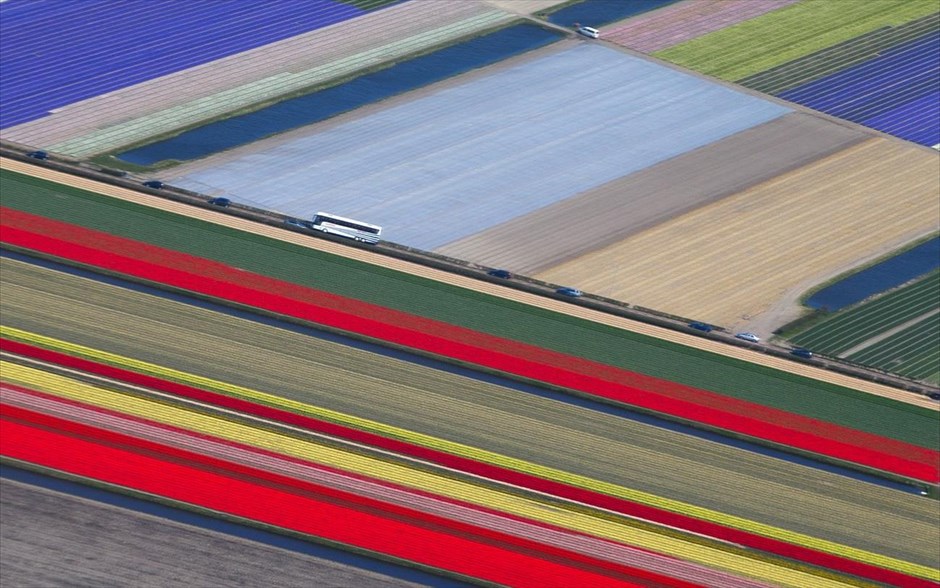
x,y
476,285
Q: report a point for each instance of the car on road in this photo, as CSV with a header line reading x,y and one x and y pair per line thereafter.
x,y
572,292
38,155
155,184
933,395
802,352
500,273
589,32
296,222
220,201
748,337
699,326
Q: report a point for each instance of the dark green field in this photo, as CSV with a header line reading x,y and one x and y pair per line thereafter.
x,y
903,329
476,311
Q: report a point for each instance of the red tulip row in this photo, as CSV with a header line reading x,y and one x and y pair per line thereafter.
x,y
305,507
211,278
492,472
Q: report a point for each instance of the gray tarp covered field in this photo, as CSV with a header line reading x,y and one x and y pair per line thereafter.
x,y
474,155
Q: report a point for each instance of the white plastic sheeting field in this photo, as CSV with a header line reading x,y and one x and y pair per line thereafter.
x,y
476,154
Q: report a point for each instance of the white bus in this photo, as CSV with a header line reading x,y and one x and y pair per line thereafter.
x,y
346,227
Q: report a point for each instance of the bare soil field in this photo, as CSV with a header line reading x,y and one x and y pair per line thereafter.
x,y
50,538
734,261
596,218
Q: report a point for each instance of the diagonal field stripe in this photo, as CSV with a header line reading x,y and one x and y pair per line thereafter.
x,y
221,281
472,453
344,460
336,516
238,453
633,510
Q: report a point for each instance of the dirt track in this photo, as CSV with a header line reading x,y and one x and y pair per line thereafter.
x,y
469,283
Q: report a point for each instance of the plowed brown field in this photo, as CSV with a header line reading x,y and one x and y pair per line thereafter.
x,y
731,261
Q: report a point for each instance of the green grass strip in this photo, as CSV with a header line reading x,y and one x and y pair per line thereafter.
x,y
473,310
473,453
792,32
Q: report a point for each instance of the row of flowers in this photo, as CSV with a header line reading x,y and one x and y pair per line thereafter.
x,y
833,559
218,280
312,509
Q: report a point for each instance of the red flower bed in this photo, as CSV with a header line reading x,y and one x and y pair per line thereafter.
x,y
304,507
216,279
488,471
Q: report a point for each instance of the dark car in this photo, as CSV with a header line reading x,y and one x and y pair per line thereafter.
x,y
573,292
38,155
933,395
155,184
702,327
220,201
500,273
801,352
296,222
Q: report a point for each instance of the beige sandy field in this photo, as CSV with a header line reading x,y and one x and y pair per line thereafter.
x,y
732,262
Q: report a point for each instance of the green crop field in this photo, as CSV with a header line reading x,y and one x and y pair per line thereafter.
x,y
856,324
912,351
503,318
790,33
838,57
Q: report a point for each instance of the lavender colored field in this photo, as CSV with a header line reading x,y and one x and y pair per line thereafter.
x,y
687,20
896,91
473,155
55,52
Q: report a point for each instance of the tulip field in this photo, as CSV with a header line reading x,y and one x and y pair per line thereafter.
x,y
565,358
354,433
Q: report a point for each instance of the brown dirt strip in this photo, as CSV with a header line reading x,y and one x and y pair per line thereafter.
x,y
375,258
601,217
51,538
730,262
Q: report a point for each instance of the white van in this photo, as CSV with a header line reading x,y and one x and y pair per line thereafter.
x,y
589,32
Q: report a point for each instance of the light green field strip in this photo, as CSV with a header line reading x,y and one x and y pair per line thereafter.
x,y
472,453
64,387
795,31
492,416
271,88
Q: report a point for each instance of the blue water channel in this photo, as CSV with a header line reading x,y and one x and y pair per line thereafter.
x,y
888,274
581,402
232,529
366,89
594,13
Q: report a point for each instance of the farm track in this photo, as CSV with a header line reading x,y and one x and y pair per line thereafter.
x,y
465,282
472,413
45,536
